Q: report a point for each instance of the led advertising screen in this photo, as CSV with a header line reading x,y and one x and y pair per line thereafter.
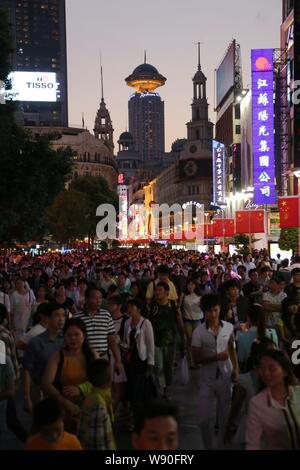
x,y
218,173
263,126
225,74
33,86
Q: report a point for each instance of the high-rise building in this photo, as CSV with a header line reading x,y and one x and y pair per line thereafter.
x,y
39,60
146,113
189,180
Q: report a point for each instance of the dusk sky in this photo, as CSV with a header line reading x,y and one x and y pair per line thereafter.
x,y
168,29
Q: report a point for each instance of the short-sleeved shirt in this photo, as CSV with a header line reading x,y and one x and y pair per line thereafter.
x,y
172,290
163,319
204,338
38,352
67,442
99,327
273,317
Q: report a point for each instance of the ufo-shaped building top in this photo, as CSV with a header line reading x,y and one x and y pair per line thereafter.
x,y
145,79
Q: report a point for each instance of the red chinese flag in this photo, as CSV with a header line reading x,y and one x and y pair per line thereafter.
x,y
223,228
289,211
250,221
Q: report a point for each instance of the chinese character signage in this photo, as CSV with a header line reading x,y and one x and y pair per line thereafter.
x,y
263,126
218,173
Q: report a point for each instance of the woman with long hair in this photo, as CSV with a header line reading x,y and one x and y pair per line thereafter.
x,y
67,369
273,421
191,315
255,329
138,349
41,298
247,386
288,325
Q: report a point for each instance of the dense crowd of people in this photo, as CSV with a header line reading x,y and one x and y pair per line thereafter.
x,y
91,339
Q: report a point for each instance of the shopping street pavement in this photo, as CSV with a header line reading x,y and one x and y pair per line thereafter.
x,y
186,397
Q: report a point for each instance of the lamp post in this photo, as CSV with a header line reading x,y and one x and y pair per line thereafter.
x,y
206,214
223,209
195,220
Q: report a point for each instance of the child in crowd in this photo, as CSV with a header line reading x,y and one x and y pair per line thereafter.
x,y
48,423
95,426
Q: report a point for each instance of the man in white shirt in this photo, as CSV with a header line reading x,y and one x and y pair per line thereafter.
x,y
248,263
213,348
272,301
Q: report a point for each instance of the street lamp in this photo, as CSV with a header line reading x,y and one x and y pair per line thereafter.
x,y
195,220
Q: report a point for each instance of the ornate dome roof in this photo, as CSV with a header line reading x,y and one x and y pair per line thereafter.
x,y
145,78
145,69
126,136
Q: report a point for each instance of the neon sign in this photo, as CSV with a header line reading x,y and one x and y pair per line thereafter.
x,y
263,126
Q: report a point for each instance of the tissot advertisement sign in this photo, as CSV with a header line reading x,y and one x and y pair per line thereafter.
x,y
33,86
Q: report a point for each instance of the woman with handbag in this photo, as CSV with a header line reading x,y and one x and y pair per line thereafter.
x,y
67,370
138,352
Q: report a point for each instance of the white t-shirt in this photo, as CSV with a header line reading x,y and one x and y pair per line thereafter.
x,y
4,300
191,307
211,345
249,266
21,305
273,317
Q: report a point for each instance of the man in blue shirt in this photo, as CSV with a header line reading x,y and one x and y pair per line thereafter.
x,y
38,352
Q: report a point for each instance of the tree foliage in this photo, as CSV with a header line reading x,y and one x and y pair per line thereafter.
x,y
97,192
288,239
67,216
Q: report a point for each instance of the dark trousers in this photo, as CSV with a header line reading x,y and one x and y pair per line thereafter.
x,y
13,422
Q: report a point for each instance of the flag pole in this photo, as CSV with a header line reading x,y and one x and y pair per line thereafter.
x,y
250,235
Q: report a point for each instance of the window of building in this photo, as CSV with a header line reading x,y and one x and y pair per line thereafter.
x,y
237,129
237,111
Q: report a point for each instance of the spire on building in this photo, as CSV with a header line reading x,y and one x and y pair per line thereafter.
x,y
199,55
103,128
102,93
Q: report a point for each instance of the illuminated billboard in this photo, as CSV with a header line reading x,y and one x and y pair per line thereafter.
x,y
225,74
218,173
33,86
263,126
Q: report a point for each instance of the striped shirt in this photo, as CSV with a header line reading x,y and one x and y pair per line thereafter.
x,y
99,327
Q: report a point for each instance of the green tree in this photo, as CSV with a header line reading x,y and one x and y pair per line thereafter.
x,y
32,173
288,239
98,192
67,216
242,239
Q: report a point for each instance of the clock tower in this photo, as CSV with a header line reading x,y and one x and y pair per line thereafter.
x,y
199,129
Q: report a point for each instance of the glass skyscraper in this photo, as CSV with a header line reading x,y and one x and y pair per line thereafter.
x,y
38,29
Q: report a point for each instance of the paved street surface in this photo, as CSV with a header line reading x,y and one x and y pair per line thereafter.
x,y
184,396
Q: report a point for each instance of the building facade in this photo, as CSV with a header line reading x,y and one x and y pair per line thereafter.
x,y
190,177
39,60
91,155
